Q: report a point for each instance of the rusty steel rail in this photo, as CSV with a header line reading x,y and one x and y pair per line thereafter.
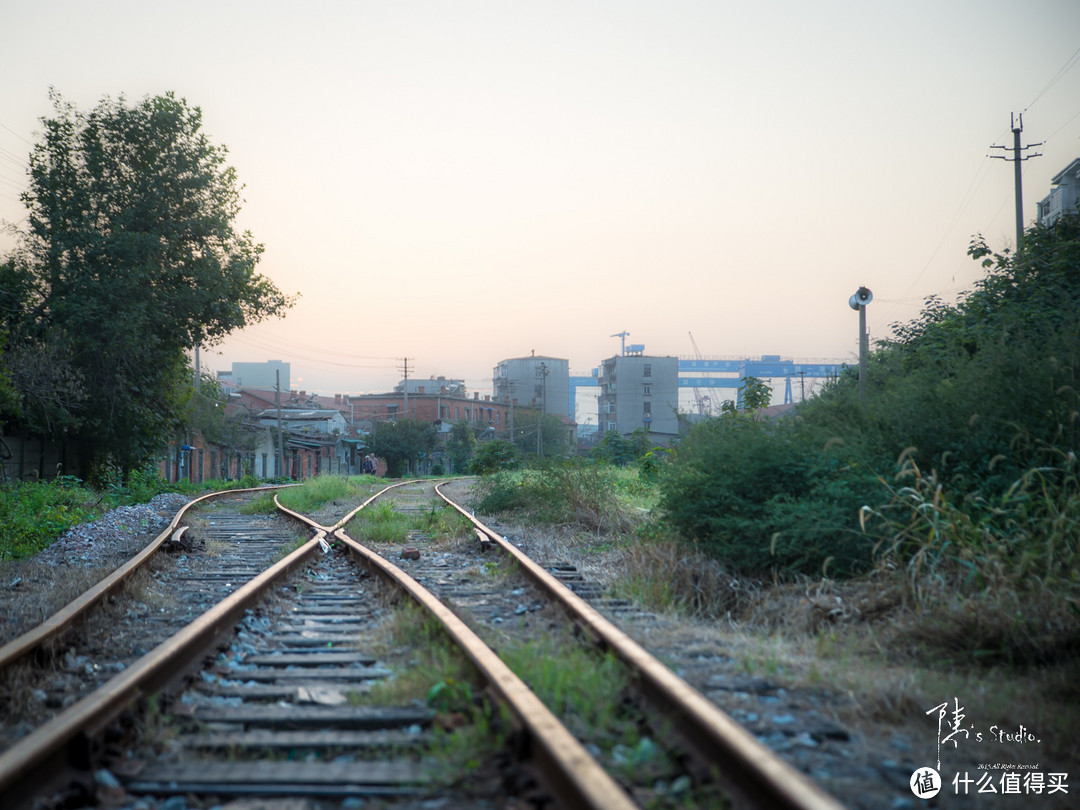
x,y
572,774
754,772
39,756
63,619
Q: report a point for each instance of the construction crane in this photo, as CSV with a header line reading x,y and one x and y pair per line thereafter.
x,y
704,403
622,335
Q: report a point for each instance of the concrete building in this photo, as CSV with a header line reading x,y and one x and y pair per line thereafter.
x,y
428,406
255,375
639,391
1064,198
536,381
432,385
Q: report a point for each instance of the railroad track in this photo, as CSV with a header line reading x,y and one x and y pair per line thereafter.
x,y
282,686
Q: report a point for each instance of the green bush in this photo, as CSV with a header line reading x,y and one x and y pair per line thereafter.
x,y
33,515
495,456
764,497
593,495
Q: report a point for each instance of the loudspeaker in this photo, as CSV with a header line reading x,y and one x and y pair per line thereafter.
x,y
860,298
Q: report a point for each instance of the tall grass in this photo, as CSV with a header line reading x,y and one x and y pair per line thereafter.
x,y
321,490
1027,540
998,575
595,496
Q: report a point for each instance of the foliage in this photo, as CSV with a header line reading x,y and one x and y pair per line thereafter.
x,y
320,490
402,443
202,410
754,394
494,456
538,434
983,393
767,497
34,514
614,448
129,259
1027,539
460,445
381,523
591,495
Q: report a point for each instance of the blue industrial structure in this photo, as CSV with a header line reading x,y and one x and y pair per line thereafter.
x,y
768,366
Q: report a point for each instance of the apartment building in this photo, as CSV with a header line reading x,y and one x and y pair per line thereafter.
x,y
639,391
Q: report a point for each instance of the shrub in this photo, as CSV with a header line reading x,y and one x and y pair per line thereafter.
x,y
764,497
495,456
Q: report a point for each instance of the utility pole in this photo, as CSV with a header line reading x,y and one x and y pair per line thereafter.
x,y
510,391
1016,121
405,360
280,435
543,411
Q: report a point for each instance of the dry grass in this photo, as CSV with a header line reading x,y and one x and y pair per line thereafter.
x,y
877,658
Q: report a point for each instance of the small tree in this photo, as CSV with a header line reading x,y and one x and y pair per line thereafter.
x,y
493,456
755,395
402,442
460,445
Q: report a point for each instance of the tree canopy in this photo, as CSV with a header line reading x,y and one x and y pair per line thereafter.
x,y
403,442
130,257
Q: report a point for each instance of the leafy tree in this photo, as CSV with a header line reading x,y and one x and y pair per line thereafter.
x,y
553,439
621,450
403,442
129,259
495,456
755,394
460,445
203,410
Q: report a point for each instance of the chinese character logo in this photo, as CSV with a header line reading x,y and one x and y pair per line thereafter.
x,y
925,783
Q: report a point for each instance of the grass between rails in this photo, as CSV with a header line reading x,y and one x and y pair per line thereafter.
x,y
321,490
381,523
468,732
589,691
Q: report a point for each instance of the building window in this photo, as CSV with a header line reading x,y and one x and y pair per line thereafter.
x,y
648,409
646,390
648,370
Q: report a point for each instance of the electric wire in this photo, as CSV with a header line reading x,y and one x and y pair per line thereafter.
x,y
16,134
1070,63
978,180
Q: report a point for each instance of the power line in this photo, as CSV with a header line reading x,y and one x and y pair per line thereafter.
x,y
16,134
1070,63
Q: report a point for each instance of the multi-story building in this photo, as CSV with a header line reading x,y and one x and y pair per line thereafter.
x,y
639,391
432,385
1064,198
536,381
428,406
267,376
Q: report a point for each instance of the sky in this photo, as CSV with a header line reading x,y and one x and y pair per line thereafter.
x,y
458,183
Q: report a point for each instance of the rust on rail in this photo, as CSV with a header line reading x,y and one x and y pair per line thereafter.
x,y
763,779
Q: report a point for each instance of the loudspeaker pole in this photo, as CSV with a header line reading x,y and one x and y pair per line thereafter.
x,y
859,299
1016,121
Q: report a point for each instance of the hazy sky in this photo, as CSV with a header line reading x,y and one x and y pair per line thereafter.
x,y
463,182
